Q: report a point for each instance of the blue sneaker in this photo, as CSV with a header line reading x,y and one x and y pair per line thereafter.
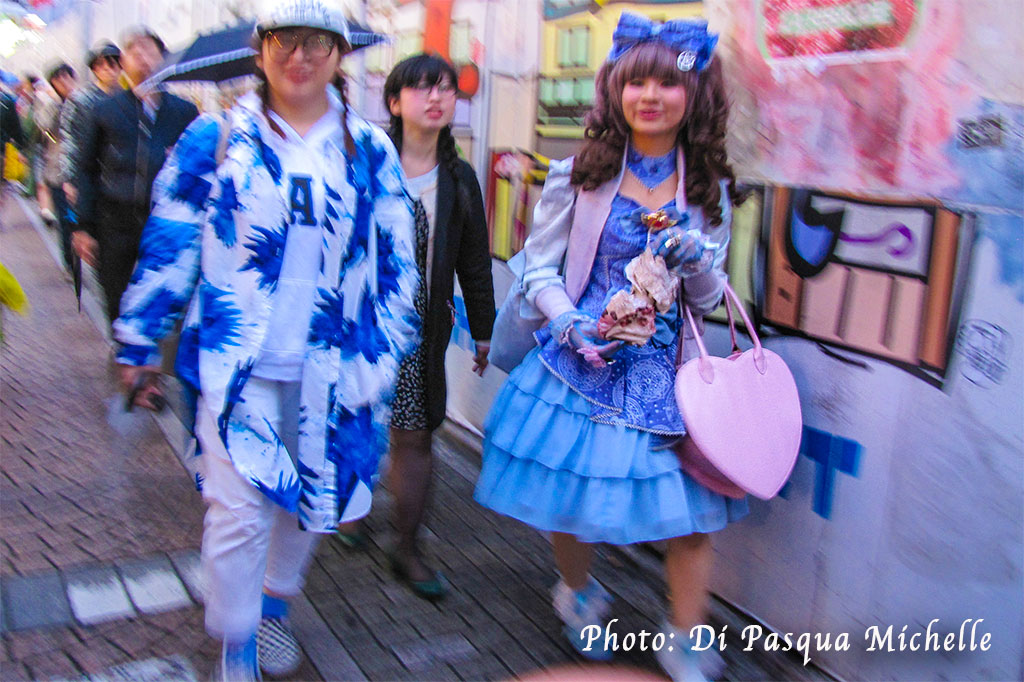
x,y
238,663
579,610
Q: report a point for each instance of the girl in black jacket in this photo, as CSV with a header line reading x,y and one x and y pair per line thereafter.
x,y
451,238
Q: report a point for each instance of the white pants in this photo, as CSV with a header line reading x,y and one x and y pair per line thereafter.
x,y
249,543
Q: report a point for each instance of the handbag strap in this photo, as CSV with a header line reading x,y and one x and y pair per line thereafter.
x,y
731,299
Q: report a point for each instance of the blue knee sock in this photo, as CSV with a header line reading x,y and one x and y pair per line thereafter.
x,y
274,607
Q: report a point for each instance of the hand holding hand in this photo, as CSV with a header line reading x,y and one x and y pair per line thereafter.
x,y
480,358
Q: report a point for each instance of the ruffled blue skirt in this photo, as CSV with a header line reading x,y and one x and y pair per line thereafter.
x,y
547,464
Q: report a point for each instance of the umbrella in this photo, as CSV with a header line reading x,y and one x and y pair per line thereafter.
x,y
227,53
76,278
76,262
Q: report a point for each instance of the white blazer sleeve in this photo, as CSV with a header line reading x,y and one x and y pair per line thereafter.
x,y
546,246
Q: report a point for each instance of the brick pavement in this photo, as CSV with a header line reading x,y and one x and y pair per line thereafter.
x,y
85,488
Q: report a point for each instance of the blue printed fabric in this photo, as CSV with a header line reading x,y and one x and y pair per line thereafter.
x,y
214,242
638,388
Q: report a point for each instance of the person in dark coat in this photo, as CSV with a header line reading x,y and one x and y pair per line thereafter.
x,y
127,137
104,62
10,124
10,129
451,238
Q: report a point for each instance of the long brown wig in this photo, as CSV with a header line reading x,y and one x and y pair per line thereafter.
x,y
702,135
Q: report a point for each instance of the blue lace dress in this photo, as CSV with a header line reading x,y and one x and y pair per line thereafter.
x,y
580,450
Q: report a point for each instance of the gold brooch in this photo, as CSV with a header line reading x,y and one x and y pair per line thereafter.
x,y
657,221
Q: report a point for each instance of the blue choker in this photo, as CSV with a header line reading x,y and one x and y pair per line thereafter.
x,y
651,170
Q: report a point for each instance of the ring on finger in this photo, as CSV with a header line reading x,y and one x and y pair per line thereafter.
x,y
672,242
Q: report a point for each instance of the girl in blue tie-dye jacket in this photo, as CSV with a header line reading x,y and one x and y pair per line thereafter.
x,y
293,255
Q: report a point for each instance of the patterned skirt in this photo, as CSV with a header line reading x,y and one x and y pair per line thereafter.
x,y
409,409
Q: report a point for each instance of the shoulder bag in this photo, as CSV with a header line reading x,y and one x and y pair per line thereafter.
x,y
742,416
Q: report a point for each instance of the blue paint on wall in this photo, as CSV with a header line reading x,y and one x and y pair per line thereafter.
x,y
990,165
830,454
1007,231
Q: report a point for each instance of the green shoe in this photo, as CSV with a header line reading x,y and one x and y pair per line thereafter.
x,y
357,540
434,589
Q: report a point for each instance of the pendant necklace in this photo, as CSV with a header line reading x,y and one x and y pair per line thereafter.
x,y
650,190
647,169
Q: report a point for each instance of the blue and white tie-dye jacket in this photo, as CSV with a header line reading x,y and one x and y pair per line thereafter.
x,y
214,243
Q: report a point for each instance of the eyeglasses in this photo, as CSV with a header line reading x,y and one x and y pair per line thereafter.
x,y
314,45
444,88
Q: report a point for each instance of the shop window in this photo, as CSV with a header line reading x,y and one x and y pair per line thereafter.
x,y
459,43
547,92
408,44
578,94
579,41
586,91
565,92
564,39
376,59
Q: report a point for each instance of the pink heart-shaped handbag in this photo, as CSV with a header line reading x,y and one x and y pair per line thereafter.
x,y
742,416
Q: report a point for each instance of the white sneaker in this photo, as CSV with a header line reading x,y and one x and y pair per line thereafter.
x,y
276,648
578,610
683,664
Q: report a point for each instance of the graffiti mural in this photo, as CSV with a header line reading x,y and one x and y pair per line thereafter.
x,y
878,278
887,97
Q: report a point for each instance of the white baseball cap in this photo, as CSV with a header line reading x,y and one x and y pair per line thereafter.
x,y
304,14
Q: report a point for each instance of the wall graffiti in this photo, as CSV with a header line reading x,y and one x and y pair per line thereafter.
x,y
985,349
880,278
831,455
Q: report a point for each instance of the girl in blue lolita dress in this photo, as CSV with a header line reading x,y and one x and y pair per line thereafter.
x,y
582,451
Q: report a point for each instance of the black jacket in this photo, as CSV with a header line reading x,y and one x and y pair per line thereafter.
x,y
111,168
10,124
461,246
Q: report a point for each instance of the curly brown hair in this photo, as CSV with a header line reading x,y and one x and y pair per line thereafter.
x,y
702,135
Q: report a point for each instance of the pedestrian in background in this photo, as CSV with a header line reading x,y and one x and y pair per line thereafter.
x,y
451,238
104,63
577,445
287,231
10,134
27,102
124,143
63,80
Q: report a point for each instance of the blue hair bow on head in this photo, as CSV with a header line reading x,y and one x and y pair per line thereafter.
x,y
690,37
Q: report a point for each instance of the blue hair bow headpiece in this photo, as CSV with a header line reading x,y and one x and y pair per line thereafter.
x,y
690,37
